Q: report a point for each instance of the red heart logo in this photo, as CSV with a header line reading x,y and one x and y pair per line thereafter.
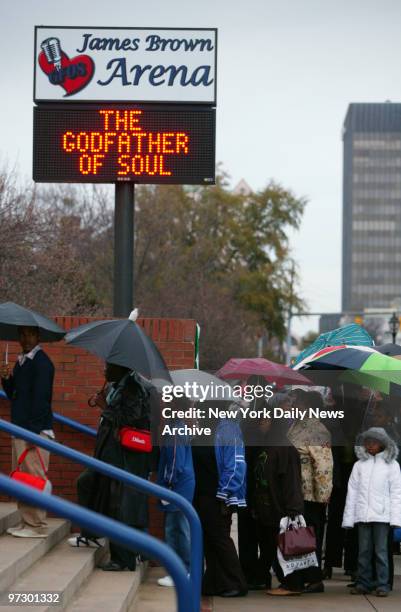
x,y
73,74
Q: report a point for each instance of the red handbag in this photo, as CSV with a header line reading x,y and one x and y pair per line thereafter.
x,y
37,482
136,439
296,541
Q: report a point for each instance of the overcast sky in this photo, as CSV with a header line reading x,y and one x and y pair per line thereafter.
x,y
287,70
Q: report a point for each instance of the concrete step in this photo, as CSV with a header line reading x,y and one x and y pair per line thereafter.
x,y
9,516
153,598
108,591
63,570
18,554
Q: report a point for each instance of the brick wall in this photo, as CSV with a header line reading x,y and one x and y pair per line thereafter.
x,y
78,376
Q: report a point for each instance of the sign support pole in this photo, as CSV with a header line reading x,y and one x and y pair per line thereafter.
x,y
124,206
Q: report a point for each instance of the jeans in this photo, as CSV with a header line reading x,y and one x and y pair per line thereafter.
x,y
177,535
373,548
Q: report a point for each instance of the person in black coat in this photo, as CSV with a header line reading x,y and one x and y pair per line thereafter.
x,y
249,545
127,405
278,491
30,389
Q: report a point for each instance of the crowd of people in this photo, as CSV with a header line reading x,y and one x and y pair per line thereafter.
x,y
343,478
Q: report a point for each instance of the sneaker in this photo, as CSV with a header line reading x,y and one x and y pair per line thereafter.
x,y
167,581
381,593
27,532
79,541
12,530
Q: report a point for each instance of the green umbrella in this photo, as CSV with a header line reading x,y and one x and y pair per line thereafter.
x,y
361,364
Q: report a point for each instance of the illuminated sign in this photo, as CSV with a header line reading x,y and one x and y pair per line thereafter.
x,y
174,65
139,143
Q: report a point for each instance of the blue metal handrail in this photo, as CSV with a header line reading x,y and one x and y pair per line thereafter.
x,y
128,537
74,424
141,484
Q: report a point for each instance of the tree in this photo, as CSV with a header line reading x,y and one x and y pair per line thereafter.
x,y
208,253
307,339
200,252
49,242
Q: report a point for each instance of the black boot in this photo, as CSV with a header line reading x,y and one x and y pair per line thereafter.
x,y
112,566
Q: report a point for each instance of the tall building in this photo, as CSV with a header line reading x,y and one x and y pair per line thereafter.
x,y
371,275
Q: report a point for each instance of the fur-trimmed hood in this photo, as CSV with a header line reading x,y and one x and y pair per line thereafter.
x,y
390,452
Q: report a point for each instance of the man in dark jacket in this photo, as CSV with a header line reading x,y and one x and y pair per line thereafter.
x,y
30,389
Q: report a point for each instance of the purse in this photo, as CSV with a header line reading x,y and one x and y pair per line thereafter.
x,y
139,440
296,540
37,482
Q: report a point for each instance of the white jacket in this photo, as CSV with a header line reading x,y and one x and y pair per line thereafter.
x,y
374,487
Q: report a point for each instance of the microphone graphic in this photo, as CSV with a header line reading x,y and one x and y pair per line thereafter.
x,y
52,49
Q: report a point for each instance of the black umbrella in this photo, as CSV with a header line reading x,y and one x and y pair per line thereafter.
x,y
392,350
13,316
122,342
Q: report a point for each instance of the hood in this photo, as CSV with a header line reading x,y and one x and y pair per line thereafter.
x,y
377,433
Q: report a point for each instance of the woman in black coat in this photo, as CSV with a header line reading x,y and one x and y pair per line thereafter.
x,y
127,405
278,492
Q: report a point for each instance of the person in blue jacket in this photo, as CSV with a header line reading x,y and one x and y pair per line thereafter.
x,y
230,457
176,472
220,472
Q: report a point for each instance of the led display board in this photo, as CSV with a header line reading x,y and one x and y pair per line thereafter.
x,y
92,64
110,143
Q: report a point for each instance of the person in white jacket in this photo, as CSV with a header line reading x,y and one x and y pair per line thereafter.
x,y
374,504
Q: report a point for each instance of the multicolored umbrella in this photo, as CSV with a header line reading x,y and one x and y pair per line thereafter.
x,y
364,366
350,335
271,371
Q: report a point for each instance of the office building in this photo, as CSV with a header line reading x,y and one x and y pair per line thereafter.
x,y
371,274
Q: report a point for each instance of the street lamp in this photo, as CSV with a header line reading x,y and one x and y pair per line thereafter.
x,y
394,326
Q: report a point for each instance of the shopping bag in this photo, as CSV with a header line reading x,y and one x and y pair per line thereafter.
x,y
297,562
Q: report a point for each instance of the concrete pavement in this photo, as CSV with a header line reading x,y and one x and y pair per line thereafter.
x,y
152,598
336,598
